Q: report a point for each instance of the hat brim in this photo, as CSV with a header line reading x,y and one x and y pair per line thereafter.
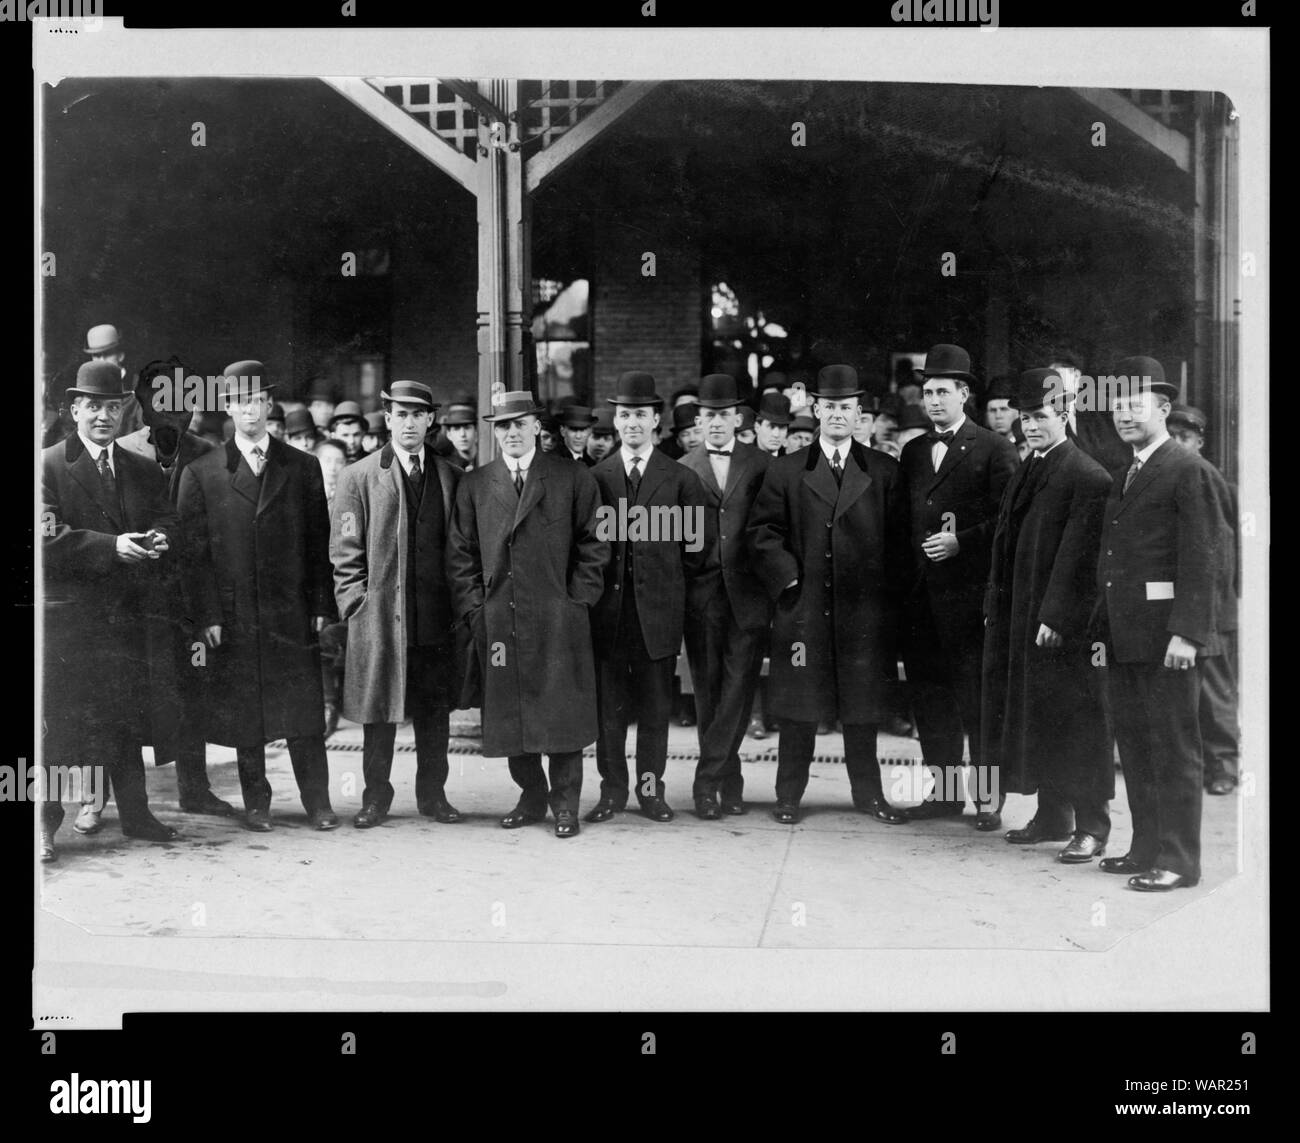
x,y
720,404
637,402
75,392
578,425
773,418
952,375
836,396
114,348
404,399
514,415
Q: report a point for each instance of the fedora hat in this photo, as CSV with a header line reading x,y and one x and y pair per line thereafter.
x,y
1034,387
603,421
102,339
244,378
346,411
98,379
576,417
512,406
718,391
837,381
375,422
1149,373
635,388
949,361
775,408
684,416
408,392
803,423
458,415
298,421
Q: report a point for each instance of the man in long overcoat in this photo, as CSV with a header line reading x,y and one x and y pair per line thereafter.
x,y
526,566
388,540
257,536
829,535
1044,720
106,527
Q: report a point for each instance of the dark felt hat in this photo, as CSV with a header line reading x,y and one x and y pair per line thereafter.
x,y
913,417
803,423
1188,415
298,421
458,414
276,413
576,417
375,422
245,378
1035,388
98,379
1146,373
949,361
774,407
684,416
635,388
746,419
835,382
347,411
603,421
718,391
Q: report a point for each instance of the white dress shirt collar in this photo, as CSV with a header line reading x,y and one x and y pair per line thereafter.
x,y
95,449
405,458
1145,454
1045,451
831,449
628,454
515,463
246,446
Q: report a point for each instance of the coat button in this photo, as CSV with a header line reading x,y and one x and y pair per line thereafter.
x,y
1108,583
826,583
828,523
1113,522
929,501
617,586
1109,552
827,612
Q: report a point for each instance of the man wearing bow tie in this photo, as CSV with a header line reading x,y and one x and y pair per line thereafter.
x,y
257,534
724,639
956,475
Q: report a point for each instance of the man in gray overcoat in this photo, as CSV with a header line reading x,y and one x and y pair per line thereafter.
x,y
388,538
526,565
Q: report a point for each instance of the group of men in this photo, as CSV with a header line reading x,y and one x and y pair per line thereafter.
x,y
1033,605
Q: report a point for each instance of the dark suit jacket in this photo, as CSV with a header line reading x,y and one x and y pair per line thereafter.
x,y
261,570
1098,437
963,497
661,570
729,509
1162,565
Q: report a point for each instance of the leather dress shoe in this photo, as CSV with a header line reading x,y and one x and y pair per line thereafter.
x,y
707,808
656,809
88,820
441,811
47,848
1160,881
787,813
566,824
259,821
331,718
151,829
1083,847
757,729
733,809
1123,864
602,811
323,819
1222,785
520,816
927,810
207,803
988,820
1033,833
881,810
369,816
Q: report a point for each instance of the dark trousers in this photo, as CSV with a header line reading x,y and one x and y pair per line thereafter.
x,y
310,768
944,664
630,684
794,757
1218,711
566,781
191,762
333,653
431,735
116,755
1155,711
1063,810
725,662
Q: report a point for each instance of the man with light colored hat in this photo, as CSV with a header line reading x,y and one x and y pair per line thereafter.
x,y
828,533
106,531
650,580
389,525
725,633
1165,544
347,426
257,532
956,474
526,565
104,343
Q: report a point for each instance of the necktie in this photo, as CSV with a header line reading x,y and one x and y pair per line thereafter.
x,y
106,478
837,469
1132,472
519,481
718,452
940,438
634,477
259,460
417,479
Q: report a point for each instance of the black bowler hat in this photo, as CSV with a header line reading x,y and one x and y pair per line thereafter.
x,y
98,379
244,378
299,421
1146,373
803,423
603,421
1035,388
576,417
684,416
775,408
949,361
718,391
512,406
407,392
837,381
276,413
634,388
746,419
1000,389
775,379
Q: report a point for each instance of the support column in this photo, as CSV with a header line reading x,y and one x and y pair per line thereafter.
x,y
504,273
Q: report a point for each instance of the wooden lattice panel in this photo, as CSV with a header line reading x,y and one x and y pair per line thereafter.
x,y
550,107
437,107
